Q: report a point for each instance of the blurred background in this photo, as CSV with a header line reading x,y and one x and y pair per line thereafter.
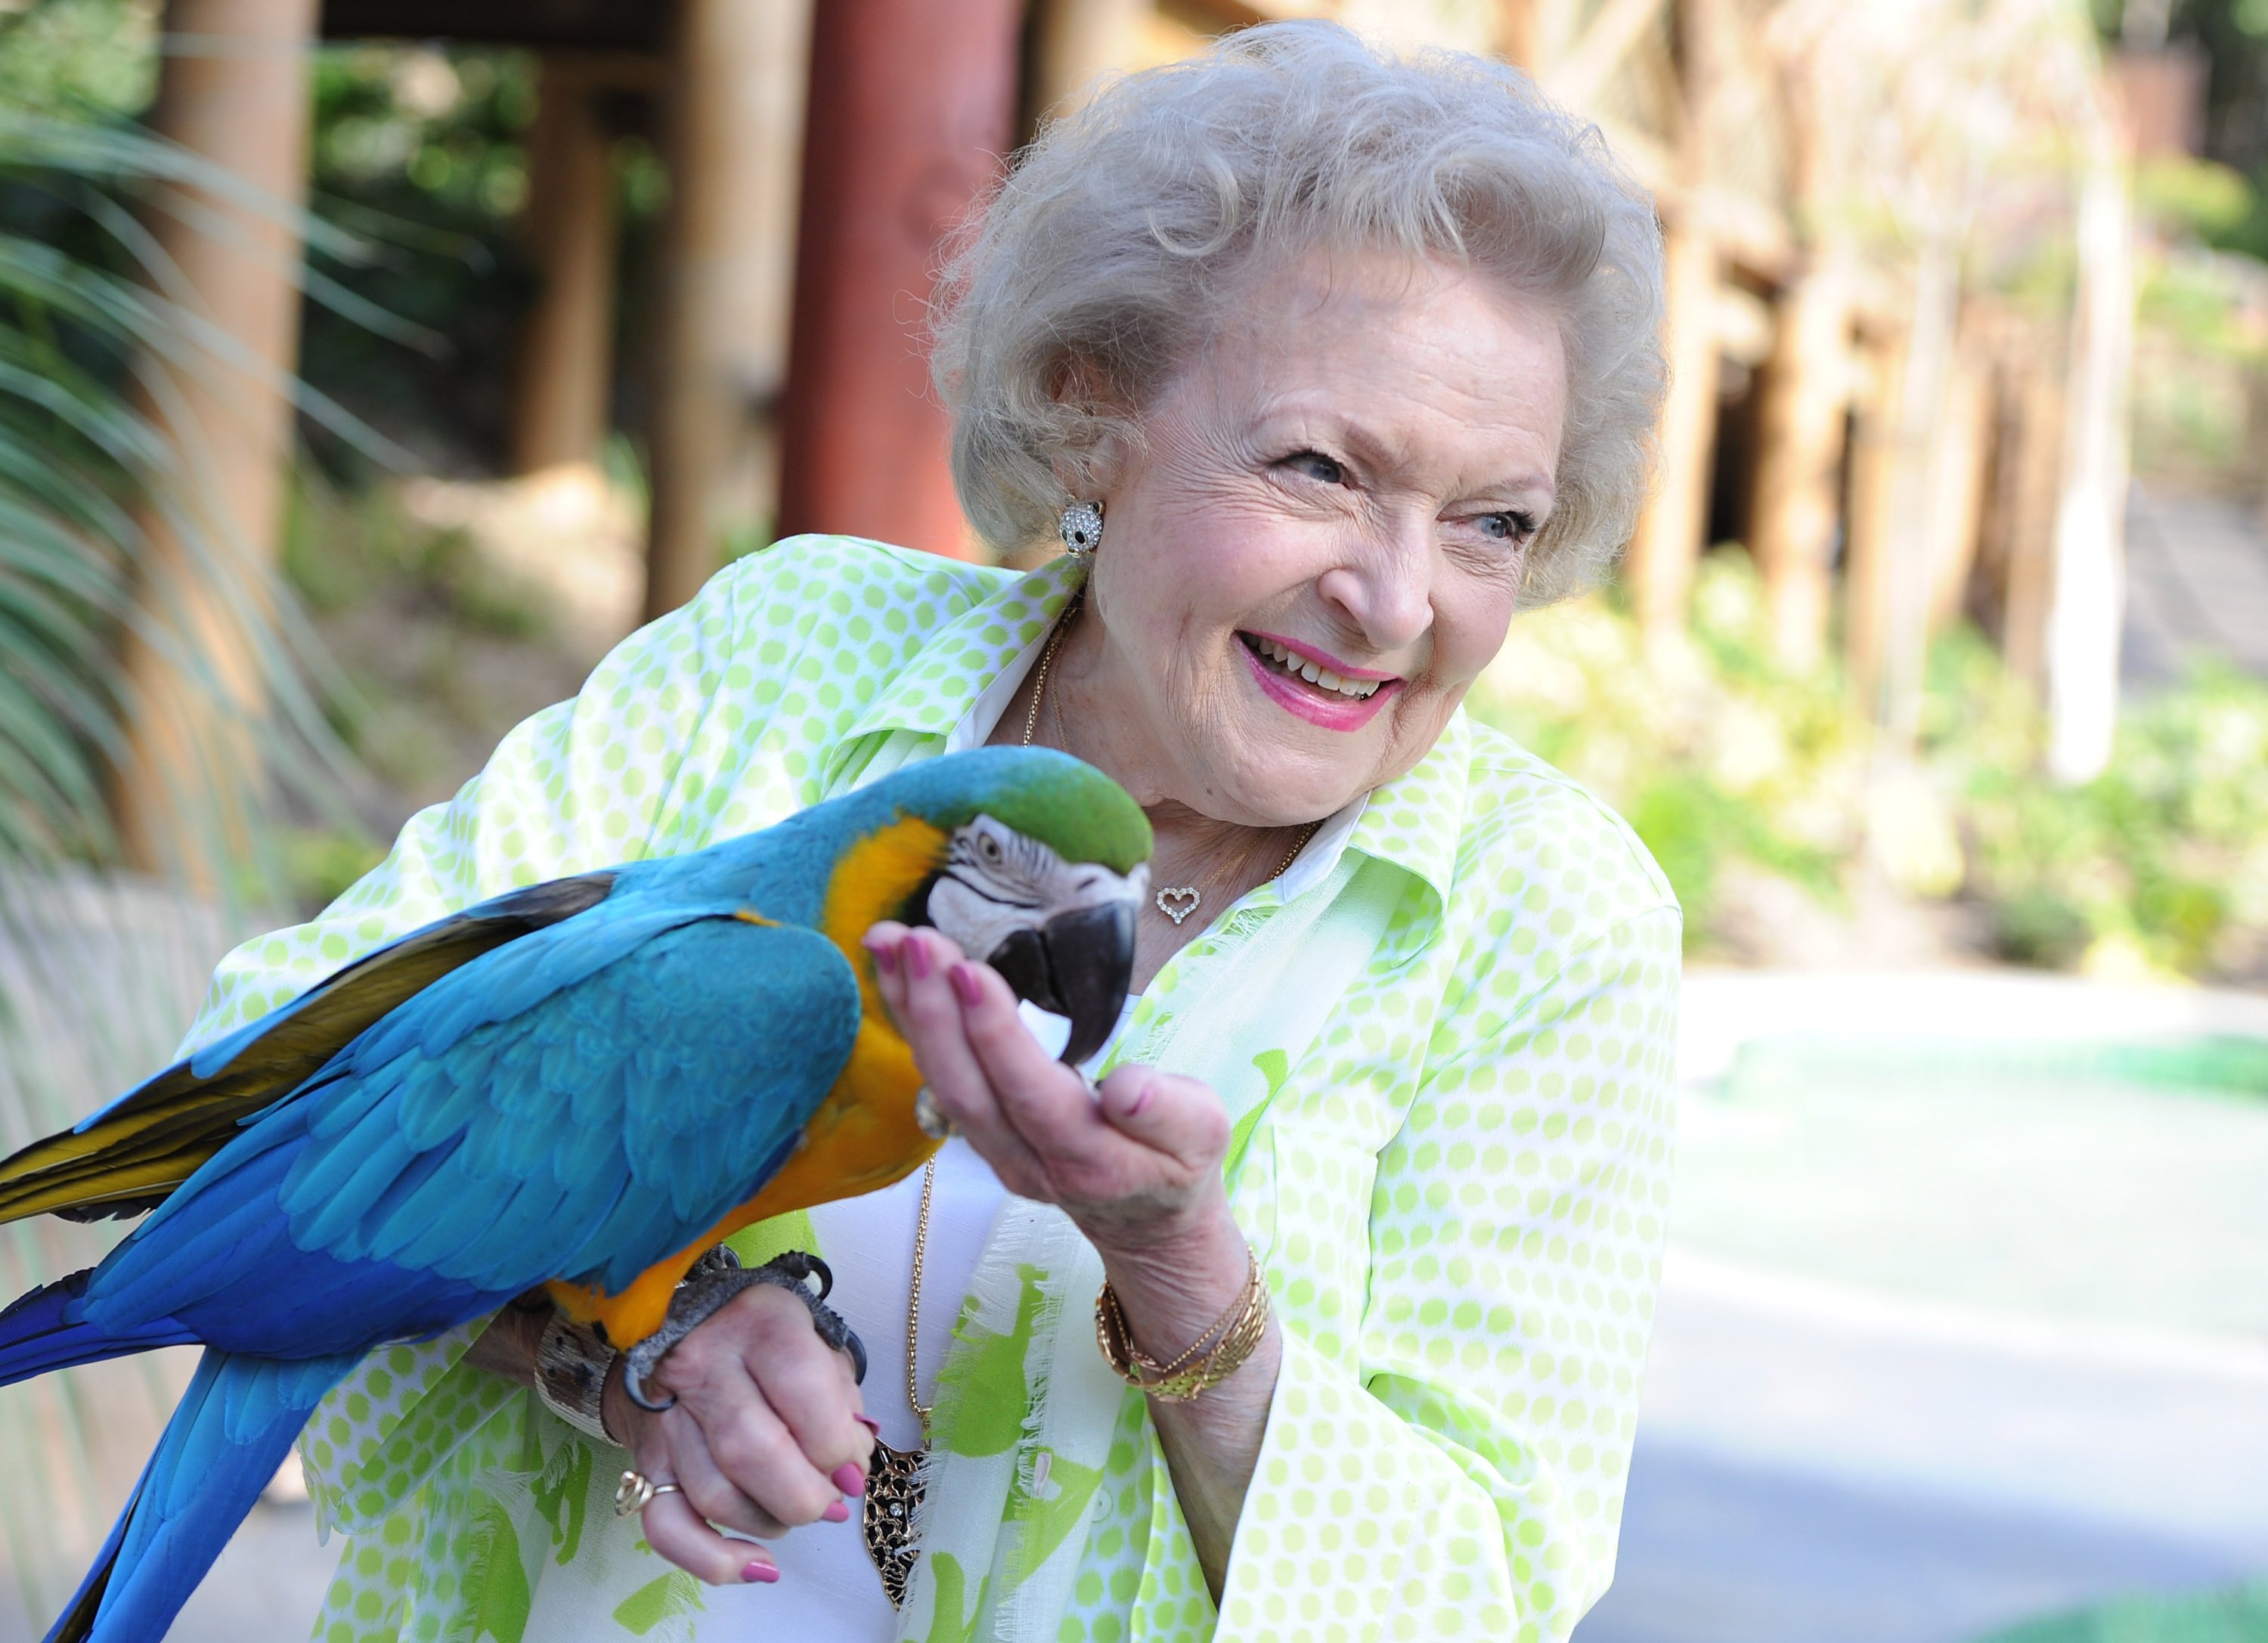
x,y
368,366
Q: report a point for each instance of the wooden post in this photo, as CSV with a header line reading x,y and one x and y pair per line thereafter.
x,y
736,117
1520,34
1799,500
1807,385
911,102
2029,470
237,96
1887,610
1871,525
1667,549
1961,440
560,390
1074,44
1410,24
1927,369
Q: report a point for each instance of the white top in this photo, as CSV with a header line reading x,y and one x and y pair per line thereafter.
x,y
828,1586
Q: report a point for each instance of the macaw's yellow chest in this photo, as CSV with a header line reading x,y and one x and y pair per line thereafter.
x,y
864,1135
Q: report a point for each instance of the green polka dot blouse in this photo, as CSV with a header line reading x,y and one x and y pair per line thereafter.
x,y
1444,1042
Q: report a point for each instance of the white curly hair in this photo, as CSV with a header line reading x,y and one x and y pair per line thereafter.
x,y
1099,262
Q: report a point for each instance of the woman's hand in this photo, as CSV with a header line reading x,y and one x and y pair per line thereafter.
x,y
1137,1166
766,1433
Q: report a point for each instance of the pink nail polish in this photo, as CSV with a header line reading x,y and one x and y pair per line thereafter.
x,y
965,987
849,1479
874,1426
885,958
759,1574
837,1513
917,955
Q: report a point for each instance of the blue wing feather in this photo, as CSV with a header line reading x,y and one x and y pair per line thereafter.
x,y
516,910
438,1170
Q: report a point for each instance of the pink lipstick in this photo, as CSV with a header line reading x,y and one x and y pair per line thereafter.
x,y
1333,710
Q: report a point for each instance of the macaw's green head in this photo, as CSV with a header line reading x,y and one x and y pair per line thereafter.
x,y
1044,868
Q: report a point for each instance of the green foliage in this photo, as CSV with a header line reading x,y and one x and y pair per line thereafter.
x,y
2201,303
77,56
2200,380
2200,197
448,123
421,153
317,864
342,547
418,153
2164,856
1713,755
1717,756
439,649
86,470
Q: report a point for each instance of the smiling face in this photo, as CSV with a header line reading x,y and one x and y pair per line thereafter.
x,y
1317,547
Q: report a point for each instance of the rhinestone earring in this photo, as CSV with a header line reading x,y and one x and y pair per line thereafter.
x,y
1080,526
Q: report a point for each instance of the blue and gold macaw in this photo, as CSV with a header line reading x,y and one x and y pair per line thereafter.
x,y
580,1085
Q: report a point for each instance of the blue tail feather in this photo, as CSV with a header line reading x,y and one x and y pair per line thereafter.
x,y
45,1330
233,1429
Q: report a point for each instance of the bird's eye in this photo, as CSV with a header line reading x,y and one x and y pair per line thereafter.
x,y
989,850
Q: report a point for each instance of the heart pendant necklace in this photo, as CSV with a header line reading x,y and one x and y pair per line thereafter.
x,y
1178,901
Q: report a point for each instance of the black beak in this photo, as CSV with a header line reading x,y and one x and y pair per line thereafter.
x,y
1077,964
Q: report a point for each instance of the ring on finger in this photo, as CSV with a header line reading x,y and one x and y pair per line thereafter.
x,y
637,1492
930,1114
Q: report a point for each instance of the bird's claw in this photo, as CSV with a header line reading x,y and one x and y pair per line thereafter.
x,y
717,1277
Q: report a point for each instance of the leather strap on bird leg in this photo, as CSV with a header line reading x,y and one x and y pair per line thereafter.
x,y
571,1375
715,1280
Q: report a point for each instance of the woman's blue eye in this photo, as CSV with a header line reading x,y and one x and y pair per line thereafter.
x,y
1509,528
1316,466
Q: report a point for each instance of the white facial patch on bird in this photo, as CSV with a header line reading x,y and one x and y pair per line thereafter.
x,y
997,881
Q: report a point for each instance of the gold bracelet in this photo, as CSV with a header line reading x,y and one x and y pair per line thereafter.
x,y
1215,1355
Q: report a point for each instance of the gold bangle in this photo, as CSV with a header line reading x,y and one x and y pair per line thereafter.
x,y
1214,1356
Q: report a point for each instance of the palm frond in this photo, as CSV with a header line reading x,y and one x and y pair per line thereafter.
x,y
91,446
99,974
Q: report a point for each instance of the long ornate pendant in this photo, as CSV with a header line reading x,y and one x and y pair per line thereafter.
x,y
1178,903
894,1492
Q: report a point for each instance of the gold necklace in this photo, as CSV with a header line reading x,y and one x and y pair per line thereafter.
x,y
895,1486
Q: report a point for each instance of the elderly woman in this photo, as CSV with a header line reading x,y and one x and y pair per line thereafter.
x,y
1321,365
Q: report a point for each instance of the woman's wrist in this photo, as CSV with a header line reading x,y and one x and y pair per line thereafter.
x,y
1174,1287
